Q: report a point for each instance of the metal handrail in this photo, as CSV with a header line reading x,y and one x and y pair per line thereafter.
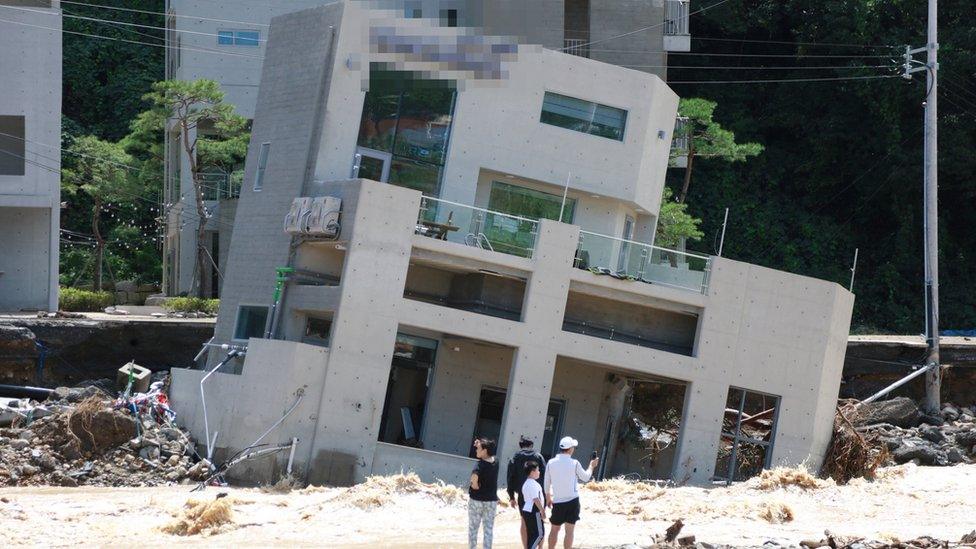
x,y
441,200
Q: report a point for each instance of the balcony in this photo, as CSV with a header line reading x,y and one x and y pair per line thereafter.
x,y
677,36
477,227
630,260
219,186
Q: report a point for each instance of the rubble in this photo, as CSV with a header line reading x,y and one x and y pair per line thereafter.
x,y
86,437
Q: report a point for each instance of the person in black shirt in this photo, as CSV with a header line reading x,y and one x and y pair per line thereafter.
x,y
483,493
517,475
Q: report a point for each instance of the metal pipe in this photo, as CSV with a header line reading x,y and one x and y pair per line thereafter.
x,y
898,384
203,398
301,394
291,455
203,348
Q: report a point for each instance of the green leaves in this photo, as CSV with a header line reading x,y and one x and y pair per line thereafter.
x,y
99,168
709,138
675,223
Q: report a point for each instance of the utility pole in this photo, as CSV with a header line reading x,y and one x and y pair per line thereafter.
x,y
933,378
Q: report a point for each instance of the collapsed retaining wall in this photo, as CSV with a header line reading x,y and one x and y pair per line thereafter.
x,y
77,349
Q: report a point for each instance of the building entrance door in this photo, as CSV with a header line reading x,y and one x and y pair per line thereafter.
x,y
371,164
488,424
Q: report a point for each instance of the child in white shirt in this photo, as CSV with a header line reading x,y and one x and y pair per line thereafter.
x,y
534,511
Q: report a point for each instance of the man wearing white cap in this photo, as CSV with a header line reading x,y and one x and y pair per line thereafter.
x,y
563,474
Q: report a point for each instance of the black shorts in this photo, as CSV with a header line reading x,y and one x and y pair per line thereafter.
x,y
565,513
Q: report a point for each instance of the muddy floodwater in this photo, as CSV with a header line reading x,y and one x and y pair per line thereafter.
x,y
906,502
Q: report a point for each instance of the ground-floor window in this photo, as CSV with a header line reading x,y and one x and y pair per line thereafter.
x,y
748,429
411,372
251,321
488,424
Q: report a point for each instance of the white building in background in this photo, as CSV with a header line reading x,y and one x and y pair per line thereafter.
x,y
456,293
30,159
224,40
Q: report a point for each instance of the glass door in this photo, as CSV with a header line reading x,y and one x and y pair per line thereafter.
x,y
371,164
628,234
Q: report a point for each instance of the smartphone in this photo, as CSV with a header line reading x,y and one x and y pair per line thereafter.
x,y
593,455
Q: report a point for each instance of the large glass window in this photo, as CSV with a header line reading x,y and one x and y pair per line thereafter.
x,y
12,145
584,116
409,120
748,429
530,203
251,320
407,391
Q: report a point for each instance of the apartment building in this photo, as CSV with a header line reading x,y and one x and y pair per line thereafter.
x,y
30,178
477,260
224,40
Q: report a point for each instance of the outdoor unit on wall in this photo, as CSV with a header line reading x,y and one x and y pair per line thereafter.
x,y
295,220
323,219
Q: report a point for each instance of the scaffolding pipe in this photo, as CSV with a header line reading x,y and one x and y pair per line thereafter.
x,y
898,384
203,399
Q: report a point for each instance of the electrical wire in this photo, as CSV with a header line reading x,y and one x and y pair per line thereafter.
x,y
736,68
194,17
773,55
101,37
783,81
123,23
661,24
825,44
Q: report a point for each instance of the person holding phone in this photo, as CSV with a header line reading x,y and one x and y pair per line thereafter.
x,y
563,475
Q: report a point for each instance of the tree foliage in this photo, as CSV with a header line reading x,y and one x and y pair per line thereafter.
x,y
675,224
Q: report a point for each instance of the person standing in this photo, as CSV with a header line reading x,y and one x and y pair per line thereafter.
x,y
534,510
517,475
563,474
483,493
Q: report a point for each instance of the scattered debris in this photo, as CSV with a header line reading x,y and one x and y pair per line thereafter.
x,y
781,477
850,454
379,491
776,512
202,517
82,436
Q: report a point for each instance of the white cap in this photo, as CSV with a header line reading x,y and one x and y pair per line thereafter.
x,y
568,442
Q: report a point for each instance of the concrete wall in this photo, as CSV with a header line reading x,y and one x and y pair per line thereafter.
x,y
30,72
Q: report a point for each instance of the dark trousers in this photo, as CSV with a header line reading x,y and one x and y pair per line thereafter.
x,y
534,529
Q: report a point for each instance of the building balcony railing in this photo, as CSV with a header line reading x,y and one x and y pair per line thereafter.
x,y
576,46
630,260
676,17
218,186
477,227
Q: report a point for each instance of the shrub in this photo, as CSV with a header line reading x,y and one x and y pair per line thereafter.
x,y
192,305
73,299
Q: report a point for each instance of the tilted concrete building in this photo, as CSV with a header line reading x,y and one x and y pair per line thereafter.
x,y
492,272
30,157
224,40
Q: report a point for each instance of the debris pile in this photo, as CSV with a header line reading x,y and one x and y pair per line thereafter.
x,y
202,517
82,436
909,435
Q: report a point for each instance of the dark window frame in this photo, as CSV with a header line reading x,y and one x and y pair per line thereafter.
x,y
585,119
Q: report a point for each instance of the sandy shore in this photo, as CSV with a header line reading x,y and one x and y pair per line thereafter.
x,y
907,502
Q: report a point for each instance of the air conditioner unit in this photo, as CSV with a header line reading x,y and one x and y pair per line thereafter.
x,y
300,208
323,220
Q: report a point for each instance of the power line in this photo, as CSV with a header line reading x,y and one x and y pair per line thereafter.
x,y
774,55
825,44
783,81
99,36
124,23
661,24
716,67
195,17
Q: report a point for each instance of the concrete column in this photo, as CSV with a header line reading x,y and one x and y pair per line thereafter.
x,y
530,380
701,427
364,331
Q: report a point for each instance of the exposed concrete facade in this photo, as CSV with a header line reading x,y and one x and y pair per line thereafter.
x,y
30,175
196,51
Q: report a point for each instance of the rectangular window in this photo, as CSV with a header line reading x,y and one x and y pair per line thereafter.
x,y
238,38
251,321
583,116
12,145
449,18
262,165
317,331
748,428
530,203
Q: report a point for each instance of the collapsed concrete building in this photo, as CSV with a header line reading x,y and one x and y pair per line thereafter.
x,y
478,262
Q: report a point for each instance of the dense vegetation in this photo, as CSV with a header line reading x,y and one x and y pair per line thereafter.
x,y
841,166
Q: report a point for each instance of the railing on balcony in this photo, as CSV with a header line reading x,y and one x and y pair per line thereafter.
x,y
632,260
576,46
676,18
219,185
477,227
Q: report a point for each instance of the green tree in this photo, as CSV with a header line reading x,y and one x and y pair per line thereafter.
x,y
675,224
707,138
210,133
99,169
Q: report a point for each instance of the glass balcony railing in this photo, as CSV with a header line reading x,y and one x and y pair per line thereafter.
x,y
676,17
495,231
632,260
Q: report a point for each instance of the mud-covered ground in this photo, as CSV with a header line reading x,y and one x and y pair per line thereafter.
x,y
906,502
